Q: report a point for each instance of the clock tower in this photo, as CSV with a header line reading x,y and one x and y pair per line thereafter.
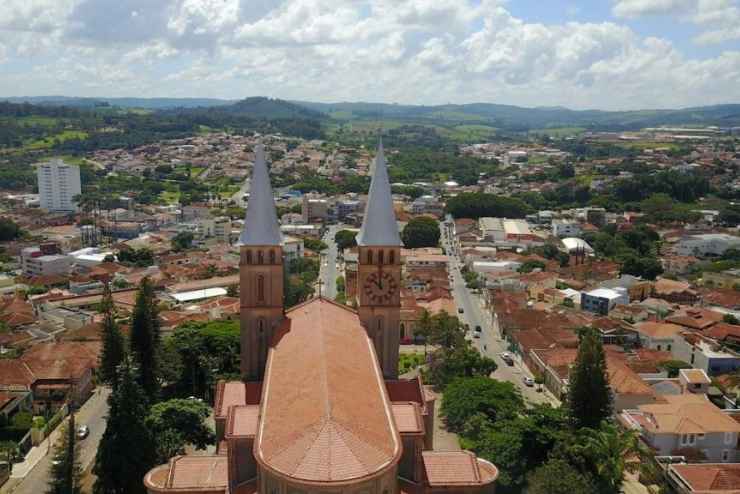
x,y
379,271
261,272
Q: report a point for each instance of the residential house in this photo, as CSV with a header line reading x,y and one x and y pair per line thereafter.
x,y
658,335
637,288
709,244
695,318
603,300
566,228
705,354
704,478
685,422
677,292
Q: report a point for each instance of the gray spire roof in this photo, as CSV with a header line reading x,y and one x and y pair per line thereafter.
x,y
261,223
379,226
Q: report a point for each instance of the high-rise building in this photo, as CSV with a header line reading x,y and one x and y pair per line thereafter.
x,y
320,407
59,183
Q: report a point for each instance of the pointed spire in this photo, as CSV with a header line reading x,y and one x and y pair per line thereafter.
x,y
261,223
379,226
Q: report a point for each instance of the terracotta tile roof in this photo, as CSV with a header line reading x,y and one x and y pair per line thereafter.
x,y
325,414
242,421
687,414
624,380
723,331
456,468
191,473
695,318
658,329
228,394
717,478
14,373
408,418
664,286
728,298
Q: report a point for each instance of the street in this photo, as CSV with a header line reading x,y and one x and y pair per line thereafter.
x,y
93,414
328,271
490,342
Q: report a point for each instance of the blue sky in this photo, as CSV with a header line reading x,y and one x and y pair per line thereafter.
x,y
608,54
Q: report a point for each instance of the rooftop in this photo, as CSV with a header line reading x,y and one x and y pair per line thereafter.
x,y
326,417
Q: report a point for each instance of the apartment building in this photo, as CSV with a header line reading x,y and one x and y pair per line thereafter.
x,y
58,184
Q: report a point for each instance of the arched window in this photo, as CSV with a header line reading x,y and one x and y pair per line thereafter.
x,y
261,288
272,257
260,257
380,257
369,257
249,257
392,257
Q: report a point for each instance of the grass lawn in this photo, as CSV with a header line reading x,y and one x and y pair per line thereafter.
x,y
197,170
409,361
37,120
170,197
559,132
49,141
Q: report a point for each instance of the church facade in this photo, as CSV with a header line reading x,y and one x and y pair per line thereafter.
x,y
320,407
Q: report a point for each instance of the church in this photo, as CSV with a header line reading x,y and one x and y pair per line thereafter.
x,y
320,407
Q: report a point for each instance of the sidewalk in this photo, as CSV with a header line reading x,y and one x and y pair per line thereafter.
x,y
37,453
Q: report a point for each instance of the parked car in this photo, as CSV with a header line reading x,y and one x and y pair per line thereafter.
x,y
528,381
508,358
460,310
83,431
478,329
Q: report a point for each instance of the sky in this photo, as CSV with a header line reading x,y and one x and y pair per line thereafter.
x,y
602,54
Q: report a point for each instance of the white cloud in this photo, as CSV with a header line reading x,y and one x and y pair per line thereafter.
x,y
719,19
411,51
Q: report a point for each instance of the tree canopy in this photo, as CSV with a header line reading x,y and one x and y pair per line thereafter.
x,y
589,395
422,231
477,205
465,397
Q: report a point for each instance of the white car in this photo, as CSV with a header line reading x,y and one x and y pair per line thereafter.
x,y
528,381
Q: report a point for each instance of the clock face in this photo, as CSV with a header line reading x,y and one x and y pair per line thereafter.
x,y
380,287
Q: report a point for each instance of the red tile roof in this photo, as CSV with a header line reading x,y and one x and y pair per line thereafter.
x,y
723,478
325,414
456,468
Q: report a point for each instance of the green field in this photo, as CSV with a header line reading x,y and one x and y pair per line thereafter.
x,y
559,132
170,197
196,171
61,137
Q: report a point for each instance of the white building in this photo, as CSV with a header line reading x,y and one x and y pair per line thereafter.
x,y
58,184
293,247
566,228
35,263
710,244
576,244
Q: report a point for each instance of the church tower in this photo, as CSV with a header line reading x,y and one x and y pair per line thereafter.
x,y
261,272
379,270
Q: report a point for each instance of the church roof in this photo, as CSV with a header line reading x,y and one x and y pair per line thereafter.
x,y
379,226
261,223
325,415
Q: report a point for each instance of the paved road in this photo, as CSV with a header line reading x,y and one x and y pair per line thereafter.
x,y
490,342
238,197
328,273
93,414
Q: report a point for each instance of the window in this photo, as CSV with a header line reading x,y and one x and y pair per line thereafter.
x,y
249,257
725,455
729,437
380,257
658,348
392,257
369,257
668,348
261,288
272,257
688,439
260,257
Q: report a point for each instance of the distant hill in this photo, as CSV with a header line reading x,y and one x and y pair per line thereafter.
x,y
508,117
268,108
519,118
145,103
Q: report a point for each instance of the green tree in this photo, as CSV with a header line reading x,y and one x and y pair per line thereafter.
x,y
730,319
645,267
530,266
345,239
314,244
177,422
447,364
114,349
182,241
558,477
127,449
422,231
9,230
465,397
589,395
65,469
145,339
